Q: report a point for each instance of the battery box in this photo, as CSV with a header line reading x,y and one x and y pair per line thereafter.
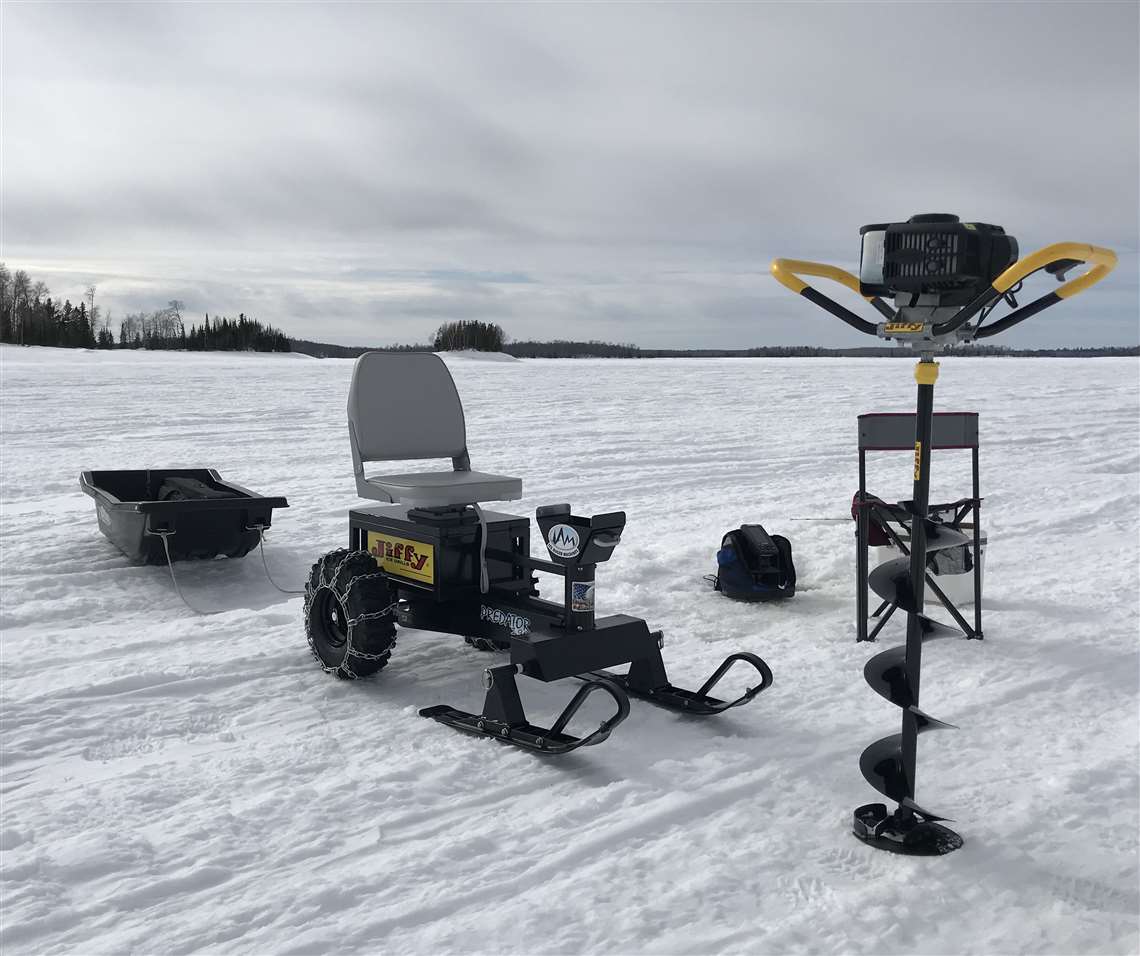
x,y
439,551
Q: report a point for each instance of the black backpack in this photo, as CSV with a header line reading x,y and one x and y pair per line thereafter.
x,y
755,566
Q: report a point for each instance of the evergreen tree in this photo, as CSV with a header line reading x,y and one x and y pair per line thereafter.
x,y
67,317
469,334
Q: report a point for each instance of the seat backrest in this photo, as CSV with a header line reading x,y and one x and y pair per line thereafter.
x,y
404,405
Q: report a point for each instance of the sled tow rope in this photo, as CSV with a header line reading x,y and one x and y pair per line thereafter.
x,y
260,529
170,564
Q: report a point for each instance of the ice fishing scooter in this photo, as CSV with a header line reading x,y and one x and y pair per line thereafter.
x,y
434,560
943,275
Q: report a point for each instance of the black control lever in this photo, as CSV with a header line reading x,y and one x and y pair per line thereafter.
x,y
1061,267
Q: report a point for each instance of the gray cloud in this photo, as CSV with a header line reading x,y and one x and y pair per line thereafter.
x,y
360,172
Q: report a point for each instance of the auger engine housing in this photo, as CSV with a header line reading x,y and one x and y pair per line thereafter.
x,y
933,254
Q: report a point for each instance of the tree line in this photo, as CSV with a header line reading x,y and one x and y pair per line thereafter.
x,y
328,350
29,316
164,329
561,348
468,334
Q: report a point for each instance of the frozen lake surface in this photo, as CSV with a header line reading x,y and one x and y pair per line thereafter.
x,y
174,783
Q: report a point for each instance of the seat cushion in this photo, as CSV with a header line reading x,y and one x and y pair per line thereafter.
x,y
433,489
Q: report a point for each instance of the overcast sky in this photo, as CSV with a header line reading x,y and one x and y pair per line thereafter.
x,y
360,173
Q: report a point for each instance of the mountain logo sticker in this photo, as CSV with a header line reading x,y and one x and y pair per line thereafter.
x,y
563,541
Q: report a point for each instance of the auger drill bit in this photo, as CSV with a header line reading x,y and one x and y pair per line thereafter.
x,y
888,764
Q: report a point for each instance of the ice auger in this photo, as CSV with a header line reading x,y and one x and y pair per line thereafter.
x,y
943,274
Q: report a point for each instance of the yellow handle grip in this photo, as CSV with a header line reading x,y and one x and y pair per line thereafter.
x,y
1102,260
785,271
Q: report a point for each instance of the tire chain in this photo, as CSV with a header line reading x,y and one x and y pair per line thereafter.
x,y
342,597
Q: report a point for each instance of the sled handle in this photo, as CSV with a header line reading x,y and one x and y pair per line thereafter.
x,y
788,271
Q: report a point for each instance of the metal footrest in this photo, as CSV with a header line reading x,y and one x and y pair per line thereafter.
x,y
697,702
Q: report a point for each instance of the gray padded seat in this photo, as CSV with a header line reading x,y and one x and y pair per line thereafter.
x,y
404,406
434,488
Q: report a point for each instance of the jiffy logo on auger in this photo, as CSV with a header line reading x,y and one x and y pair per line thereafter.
x,y
563,541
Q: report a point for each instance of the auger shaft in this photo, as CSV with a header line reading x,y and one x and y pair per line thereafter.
x,y
889,764
926,374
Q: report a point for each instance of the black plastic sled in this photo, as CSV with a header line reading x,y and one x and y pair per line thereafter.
x,y
198,514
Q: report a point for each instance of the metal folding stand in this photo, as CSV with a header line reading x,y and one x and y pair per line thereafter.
x,y
895,431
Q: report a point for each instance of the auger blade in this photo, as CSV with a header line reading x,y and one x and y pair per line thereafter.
x,y
932,630
926,722
925,814
891,581
939,537
886,673
882,767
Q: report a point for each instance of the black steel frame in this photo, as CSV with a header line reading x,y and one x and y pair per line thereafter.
x,y
952,436
549,641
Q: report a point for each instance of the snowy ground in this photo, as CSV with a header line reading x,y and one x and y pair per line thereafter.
x,y
174,783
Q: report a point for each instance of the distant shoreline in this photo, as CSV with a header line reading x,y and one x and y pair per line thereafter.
x,y
539,350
